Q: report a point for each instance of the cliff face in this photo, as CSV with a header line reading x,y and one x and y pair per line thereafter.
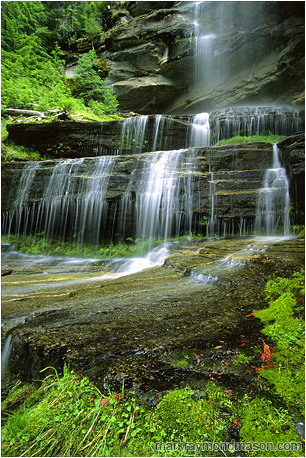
x,y
253,53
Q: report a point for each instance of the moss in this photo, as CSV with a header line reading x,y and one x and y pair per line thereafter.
x,y
263,423
271,138
186,419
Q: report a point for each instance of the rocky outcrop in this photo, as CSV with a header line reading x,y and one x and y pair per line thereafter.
x,y
73,139
293,150
233,173
254,55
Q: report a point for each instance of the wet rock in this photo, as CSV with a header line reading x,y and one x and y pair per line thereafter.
x,y
300,429
151,314
257,56
6,271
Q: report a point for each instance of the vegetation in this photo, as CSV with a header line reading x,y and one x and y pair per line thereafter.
x,y
284,324
269,138
123,248
68,416
91,89
34,35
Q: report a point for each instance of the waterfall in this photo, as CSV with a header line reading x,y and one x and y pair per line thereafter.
x,y
248,121
200,130
6,354
133,134
18,219
204,55
75,206
144,133
272,213
164,200
210,229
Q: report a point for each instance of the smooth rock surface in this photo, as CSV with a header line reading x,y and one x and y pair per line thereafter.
x,y
128,328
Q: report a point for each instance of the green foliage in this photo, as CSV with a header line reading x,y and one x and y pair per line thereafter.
x,y
242,359
69,416
32,66
185,419
89,87
284,324
31,77
270,138
38,244
10,152
262,423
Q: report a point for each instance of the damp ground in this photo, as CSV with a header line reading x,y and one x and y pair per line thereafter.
x,y
179,323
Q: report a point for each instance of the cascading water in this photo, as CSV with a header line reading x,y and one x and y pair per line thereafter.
x,y
272,213
78,204
164,200
74,207
211,225
200,130
19,219
146,134
248,121
133,134
204,56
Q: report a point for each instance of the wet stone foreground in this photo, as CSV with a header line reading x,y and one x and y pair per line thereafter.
x,y
156,329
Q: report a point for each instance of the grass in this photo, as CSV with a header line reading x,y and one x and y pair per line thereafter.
x,y
37,244
270,138
69,416
12,152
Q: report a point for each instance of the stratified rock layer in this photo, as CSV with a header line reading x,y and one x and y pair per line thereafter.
x,y
256,56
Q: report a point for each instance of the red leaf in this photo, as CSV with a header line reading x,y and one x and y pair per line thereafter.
x,y
243,344
249,372
299,299
236,422
229,392
254,313
217,347
198,359
104,402
267,354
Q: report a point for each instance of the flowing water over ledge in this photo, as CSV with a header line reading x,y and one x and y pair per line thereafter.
x,y
130,326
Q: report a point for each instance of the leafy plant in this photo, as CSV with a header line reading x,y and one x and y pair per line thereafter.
x,y
91,88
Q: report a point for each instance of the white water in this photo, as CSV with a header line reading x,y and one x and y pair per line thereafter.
x,y
200,130
5,359
272,213
255,120
211,226
20,215
133,134
72,205
164,200
204,55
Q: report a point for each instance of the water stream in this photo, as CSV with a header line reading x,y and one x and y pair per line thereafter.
x,y
272,213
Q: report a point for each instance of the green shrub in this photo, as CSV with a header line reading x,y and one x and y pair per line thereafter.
x,y
89,87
